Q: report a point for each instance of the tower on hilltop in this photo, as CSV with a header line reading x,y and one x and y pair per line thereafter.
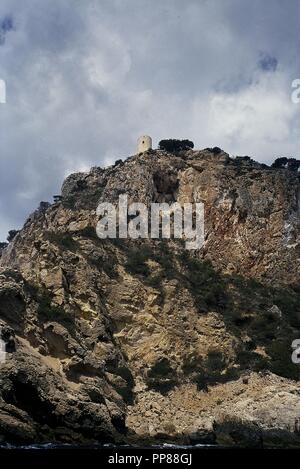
x,y
144,143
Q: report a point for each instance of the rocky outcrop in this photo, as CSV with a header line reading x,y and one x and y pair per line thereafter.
x,y
258,410
42,398
142,340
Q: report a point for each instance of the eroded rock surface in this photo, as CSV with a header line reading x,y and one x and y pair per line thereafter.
x,y
143,340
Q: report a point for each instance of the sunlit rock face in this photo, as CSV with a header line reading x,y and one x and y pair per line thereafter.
x,y
143,340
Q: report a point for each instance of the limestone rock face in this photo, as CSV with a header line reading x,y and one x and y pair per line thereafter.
x,y
142,340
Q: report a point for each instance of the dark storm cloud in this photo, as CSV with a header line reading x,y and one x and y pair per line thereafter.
x,y
6,25
85,78
268,63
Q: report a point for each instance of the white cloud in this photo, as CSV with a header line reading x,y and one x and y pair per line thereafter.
x,y
84,80
258,120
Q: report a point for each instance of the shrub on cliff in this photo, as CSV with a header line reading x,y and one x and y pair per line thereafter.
x,y
293,164
280,162
11,235
63,240
204,282
161,376
88,232
289,163
280,361
136,261
173,145
214,150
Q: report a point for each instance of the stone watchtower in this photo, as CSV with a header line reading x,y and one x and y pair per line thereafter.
x,y
144,143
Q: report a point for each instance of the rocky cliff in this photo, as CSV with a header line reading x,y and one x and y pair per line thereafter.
x,y
143,340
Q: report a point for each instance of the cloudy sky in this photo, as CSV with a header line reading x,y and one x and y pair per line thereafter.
x,y
85,77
